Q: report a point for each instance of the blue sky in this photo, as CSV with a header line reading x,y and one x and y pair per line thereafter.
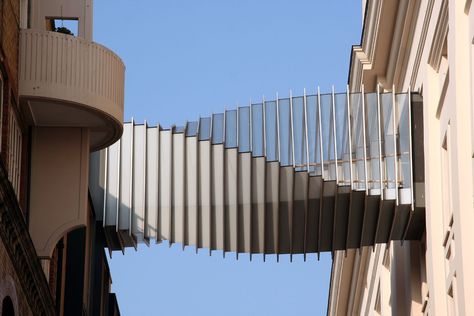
x,y
189,58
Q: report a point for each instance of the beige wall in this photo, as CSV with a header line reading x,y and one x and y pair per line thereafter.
x,y
59,178
76,109
67,9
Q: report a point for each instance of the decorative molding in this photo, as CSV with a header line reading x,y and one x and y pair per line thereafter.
x,y
441,31
422,41
15,236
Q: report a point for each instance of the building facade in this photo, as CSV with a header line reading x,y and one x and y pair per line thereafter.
x,y
61,97
265,179
425,46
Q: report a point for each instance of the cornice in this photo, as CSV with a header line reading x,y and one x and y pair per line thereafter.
x,y
371,29
15,236
364,56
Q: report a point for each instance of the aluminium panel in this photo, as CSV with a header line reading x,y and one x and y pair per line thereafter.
x,y
165,184
205,193
192,190
231,199
218,189
258,204
178,194
152,181
245,201
139,181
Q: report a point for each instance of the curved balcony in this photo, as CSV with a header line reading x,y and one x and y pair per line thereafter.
x,y
67,81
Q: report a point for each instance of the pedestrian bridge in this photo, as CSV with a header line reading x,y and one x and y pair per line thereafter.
x,y
296,175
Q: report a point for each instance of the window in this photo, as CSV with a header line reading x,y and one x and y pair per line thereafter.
x,y
14,152
65,26
7,307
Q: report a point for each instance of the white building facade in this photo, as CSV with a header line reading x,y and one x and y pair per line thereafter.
x,y
425,46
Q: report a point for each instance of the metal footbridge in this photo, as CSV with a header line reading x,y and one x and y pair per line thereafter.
x,y
296,175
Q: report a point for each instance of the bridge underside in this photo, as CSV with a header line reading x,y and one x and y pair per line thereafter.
x,y
299,175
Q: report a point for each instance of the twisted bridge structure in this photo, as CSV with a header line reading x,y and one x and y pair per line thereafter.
x,y
296,175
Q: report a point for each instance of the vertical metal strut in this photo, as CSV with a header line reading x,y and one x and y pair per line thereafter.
x,y
349,134
365,141
308,171
334,133
379,128
264,115
320,135
279,164
294,164
119,176
117,209
395,154
306,129
106,167
131,177
411,149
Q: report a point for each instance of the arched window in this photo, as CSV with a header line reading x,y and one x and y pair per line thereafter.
x,y
7,307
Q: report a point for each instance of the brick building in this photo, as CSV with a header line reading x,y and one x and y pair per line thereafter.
x,y
61,97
